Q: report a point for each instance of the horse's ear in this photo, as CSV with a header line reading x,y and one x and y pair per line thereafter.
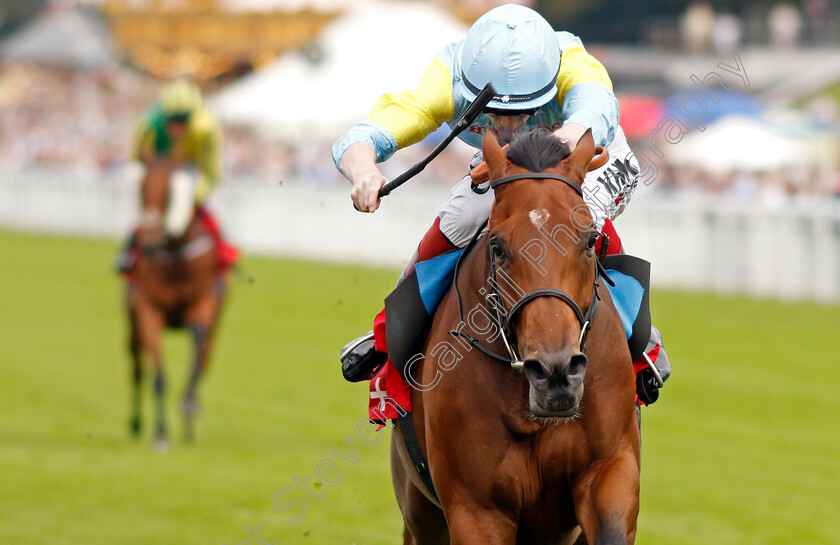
x,y
583,153
600,159
493,155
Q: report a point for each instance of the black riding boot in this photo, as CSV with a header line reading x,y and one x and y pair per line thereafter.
x,y
360,360
650,379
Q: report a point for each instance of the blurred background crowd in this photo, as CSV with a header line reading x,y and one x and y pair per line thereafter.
x,y
286,77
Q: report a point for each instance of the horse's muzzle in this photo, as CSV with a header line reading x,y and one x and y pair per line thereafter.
x,y
556,388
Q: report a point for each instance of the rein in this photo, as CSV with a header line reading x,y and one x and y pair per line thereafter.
x,y
505,317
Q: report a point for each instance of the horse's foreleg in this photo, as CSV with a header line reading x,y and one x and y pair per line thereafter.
x,y
202,322
607,501
476,525
151,323
189,405
160,407
424,521
137,380
134,348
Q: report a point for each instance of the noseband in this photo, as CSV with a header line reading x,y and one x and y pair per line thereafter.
x,y
505,317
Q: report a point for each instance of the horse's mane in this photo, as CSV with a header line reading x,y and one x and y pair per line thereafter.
x,y
537,151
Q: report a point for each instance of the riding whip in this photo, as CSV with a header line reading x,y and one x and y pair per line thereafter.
x,y
483,98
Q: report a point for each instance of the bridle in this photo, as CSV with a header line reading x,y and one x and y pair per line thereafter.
x,y
505,317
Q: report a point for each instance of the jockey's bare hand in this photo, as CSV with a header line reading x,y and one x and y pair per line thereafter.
x,y
358,164
365,192
570,133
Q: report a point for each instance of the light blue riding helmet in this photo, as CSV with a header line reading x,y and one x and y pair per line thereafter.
x,y
516,50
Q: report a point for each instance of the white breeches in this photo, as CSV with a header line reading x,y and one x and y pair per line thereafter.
x,y
179,211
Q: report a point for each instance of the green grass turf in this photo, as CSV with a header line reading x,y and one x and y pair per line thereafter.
x,y
742,448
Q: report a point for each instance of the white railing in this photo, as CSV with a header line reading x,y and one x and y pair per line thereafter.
x,y
789,251
695,242
298,219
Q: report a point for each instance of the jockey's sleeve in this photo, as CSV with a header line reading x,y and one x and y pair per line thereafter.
x,y
400,120
584,91
208,138
143,144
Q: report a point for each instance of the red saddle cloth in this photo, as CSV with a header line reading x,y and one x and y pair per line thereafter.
x,y
228,253
388,389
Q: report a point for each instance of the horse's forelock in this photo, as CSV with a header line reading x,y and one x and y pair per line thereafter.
x,y
537,151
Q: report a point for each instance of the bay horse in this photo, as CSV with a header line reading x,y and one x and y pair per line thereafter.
x,y
176,285
548,453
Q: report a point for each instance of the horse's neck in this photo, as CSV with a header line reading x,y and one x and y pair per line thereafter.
x,y
155,189
193,231
470,292
474,274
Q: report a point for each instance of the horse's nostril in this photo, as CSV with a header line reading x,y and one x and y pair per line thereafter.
x,y
534,370
577,365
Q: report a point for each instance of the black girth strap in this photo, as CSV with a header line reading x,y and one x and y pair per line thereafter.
x,y
412,445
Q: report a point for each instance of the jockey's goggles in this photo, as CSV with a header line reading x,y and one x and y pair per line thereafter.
x,y
178,118
511,113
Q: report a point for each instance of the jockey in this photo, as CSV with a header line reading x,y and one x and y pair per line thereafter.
x,y
545,80
178,127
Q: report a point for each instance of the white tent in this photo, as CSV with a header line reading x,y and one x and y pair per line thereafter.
x,y
739,143
71,39
379,47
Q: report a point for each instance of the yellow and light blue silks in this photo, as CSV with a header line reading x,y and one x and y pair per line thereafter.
x,y
584,96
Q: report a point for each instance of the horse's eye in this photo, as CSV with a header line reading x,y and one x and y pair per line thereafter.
x,y
497,248
592,240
